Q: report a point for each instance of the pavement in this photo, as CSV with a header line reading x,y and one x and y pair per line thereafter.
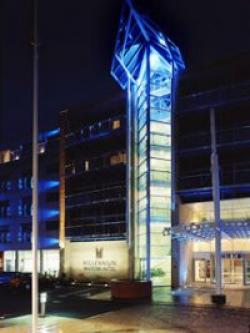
x,y
74,301
236,298
141,319
181,311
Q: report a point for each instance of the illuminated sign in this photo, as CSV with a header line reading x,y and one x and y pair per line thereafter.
x,y
99,252
97,260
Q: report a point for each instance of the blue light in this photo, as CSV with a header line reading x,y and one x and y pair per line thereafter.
x,y
154,60
48,242
162,40
45,185
52,183
49,134
135,34
50,213
184,274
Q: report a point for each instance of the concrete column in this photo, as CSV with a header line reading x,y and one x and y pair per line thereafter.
x,y
62,185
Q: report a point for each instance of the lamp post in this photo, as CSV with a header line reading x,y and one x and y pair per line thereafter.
x,y
218,298
35,177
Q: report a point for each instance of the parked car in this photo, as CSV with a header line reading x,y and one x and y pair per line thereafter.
x,y
24,280
21,280
6,277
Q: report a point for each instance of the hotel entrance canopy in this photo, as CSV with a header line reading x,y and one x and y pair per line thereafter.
x,y
206,231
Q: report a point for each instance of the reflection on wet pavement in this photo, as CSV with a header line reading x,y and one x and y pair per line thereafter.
x,y
169,313
142,319
200,296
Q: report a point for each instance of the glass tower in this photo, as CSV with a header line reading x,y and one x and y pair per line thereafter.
x,y
145,64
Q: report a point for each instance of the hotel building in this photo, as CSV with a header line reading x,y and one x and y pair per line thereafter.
x,y
126,187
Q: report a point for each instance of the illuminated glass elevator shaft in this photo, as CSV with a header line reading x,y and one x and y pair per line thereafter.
x,y
145,62
152,178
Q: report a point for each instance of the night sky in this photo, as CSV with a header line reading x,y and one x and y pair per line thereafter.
x,y
77,39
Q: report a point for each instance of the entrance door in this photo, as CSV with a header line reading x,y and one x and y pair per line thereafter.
x,y
247,271
233,271
202,270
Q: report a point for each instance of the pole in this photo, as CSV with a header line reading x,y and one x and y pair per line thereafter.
x,y
148,219
128,183
216,201
35,177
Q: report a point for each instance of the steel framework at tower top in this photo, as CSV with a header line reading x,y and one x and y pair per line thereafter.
x,y
135,33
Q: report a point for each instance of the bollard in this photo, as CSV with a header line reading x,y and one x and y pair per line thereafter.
x,y
43,301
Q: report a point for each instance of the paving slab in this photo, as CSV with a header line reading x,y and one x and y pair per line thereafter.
x,y
141,319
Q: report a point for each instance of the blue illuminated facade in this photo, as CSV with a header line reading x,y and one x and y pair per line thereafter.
x,y
16,206
146,64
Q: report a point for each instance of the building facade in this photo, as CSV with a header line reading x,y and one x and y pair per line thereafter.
x,y
16,206
93,189
225,89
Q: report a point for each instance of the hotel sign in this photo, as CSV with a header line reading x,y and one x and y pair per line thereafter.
x,y
98,260
100,263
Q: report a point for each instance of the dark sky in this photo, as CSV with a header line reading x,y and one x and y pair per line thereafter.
x,y
77,40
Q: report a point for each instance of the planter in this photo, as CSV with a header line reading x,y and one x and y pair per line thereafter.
x,y
218,299
131,290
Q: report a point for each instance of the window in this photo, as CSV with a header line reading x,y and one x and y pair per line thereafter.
x,y
116,124
16,155
9,185
42,147
86,165
5,208
119,158
52,168
52,197
28,182
20,183
5,156
4,235
52,225
25,207
5,185
24,233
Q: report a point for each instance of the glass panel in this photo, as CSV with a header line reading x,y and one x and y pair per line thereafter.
x,y
160,115
248,271
161,177
160,140
142,204
159,212
142,182
159,164
200,270
160,152
160,191
160,127
233,271
142,133
160,202
143,167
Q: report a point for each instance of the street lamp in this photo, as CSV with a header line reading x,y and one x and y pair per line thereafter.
x,y
35,176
